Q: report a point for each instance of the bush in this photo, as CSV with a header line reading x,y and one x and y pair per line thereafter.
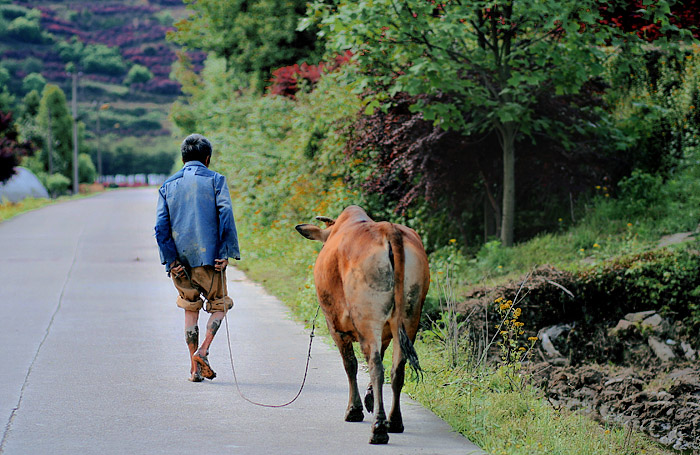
x,y
11,12
27,29
33,81
138,74
86,169
57,184
99,58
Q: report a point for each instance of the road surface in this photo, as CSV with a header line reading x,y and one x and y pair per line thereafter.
x,y
95,362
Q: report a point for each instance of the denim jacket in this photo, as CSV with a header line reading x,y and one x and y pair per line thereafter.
x,y
194,221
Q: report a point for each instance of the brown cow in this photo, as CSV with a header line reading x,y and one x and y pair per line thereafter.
x,y
371,281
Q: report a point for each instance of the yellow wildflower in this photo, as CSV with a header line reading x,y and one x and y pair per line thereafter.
x,y
453,240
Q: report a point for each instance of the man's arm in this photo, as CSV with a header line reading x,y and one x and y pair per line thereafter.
x,y
228,236
164,236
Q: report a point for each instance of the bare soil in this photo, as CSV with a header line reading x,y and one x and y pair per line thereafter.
x,y
616,376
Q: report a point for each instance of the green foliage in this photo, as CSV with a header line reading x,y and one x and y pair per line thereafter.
x,y
27,28
53,113
86,169
484,66
10,12
92,58
57,184
4,76
30,104
98,58
138,74
252,36
661,280
33,82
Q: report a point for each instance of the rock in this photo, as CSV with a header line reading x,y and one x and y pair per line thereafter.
x,y
622,326
684,381
656,324
688,351
555,331
639,317
549,347
662,351
674,238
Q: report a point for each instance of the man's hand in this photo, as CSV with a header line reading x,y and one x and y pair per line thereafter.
x,y
220,264
176,269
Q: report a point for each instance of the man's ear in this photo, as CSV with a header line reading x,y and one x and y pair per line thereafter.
x,y
312,232
207,161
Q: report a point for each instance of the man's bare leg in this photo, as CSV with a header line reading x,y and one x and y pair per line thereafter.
x,y
192,339
201,355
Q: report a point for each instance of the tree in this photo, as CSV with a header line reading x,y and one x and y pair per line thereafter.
x,y
91,58
55,119
138,74
33,81
252,36
490,60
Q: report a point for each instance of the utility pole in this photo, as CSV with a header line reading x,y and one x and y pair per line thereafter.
x,y
75,132
50,140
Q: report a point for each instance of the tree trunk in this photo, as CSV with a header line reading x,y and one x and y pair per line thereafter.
x,y
508,214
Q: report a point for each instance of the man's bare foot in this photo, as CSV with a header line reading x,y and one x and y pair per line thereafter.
x,y
196,377
204,367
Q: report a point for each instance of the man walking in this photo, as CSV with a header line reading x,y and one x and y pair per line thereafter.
x,y
196,235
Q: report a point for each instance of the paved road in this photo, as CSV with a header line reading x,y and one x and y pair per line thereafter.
x,y
94,358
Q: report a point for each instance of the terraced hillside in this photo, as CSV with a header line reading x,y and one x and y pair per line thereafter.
x,y
125,65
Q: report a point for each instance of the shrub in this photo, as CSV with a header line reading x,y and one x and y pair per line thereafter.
x,y
33,81
57,184
27,30
138,74
99,58
86,169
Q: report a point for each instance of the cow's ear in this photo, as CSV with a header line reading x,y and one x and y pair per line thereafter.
x,y
312,232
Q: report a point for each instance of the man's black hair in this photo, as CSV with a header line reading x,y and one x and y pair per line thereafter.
x,y
195,147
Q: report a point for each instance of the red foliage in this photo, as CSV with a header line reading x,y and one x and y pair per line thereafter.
x,y
10,147
285,79
630,18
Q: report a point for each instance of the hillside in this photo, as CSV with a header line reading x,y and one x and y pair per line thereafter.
x,y
116,37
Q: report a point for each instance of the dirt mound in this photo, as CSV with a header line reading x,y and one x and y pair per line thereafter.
x,y
620,362
663,404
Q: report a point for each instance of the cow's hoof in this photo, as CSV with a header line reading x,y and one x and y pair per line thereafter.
x,y
395,426
379,438
354,415
369,401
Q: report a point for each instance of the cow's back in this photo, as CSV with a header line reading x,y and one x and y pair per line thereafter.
x,y
355,275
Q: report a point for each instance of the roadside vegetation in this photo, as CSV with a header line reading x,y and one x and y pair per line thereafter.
x,y
608,165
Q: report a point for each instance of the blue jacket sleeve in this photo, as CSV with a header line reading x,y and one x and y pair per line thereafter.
x,y
164,236
228,236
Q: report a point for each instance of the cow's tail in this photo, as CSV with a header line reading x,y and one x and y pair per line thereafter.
x,y
397,257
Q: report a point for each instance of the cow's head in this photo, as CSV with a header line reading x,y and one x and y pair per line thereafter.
x,y
313,232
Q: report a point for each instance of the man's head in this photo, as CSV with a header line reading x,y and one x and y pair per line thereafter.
x,y
196,147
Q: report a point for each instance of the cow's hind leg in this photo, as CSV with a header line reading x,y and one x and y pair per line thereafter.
x,y
354,411
398,372
369,393
380,427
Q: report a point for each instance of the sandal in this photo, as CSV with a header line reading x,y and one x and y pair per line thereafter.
x,y
204,367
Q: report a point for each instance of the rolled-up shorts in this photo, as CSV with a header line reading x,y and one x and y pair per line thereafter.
x,y
207,282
